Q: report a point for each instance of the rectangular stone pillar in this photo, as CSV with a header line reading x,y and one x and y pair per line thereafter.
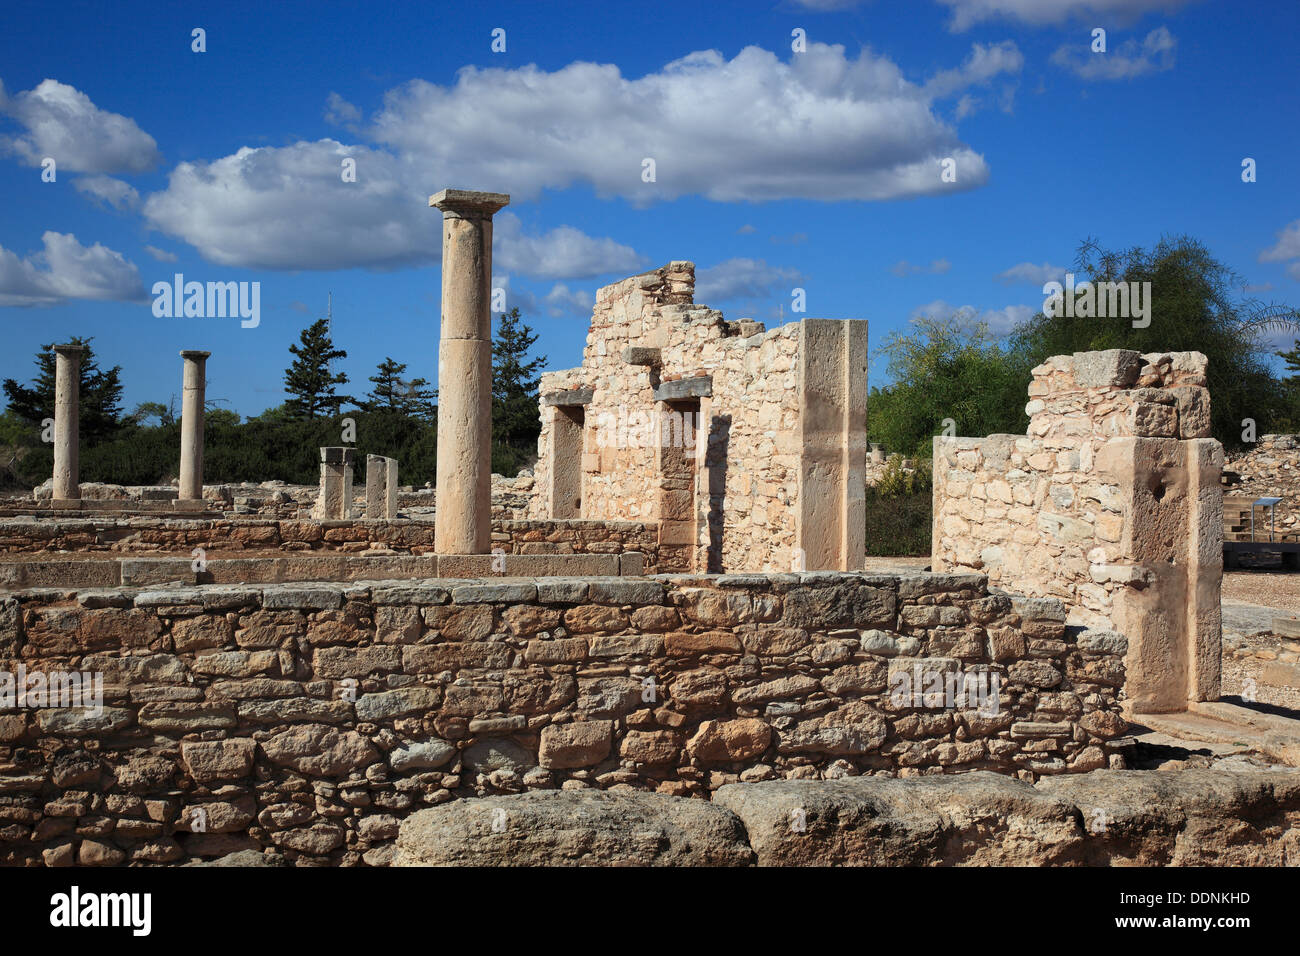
x,y
830,530
463,519
193,384
335,499
67,422
381,487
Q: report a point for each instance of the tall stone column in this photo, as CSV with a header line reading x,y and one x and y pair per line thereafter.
x,y
193,384
67,421
463,521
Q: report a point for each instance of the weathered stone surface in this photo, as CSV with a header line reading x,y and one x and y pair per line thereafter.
x,y
579,744
567,828
320,750
211,760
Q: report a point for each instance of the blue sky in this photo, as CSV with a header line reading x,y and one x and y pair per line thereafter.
x,y
774,169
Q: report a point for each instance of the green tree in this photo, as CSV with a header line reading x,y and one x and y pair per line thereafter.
x,y
515,380
308,380
166,414
392,393
951,369
1195,307
100,399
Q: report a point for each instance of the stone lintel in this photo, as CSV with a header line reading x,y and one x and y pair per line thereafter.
x,y
576,396
698,387
337,456
469,201
640,355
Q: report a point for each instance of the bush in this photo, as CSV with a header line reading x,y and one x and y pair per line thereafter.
x,y
900,510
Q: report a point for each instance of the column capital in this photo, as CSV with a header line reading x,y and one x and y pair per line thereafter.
x,y
69,349
194,354
467,202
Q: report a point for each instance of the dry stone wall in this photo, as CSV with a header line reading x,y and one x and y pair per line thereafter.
x,y
181,535
737,436
313,719
1111,503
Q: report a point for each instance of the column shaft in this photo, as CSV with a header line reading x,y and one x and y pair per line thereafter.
x,y
67,421
192,402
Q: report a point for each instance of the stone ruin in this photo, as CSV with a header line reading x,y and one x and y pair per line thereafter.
x,y
747,447
310,689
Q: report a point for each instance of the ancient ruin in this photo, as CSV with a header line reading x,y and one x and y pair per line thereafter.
x,y
746,446
672,635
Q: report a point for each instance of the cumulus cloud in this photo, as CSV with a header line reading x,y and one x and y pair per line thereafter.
x,y
1286,248
563,252
1000,321
742,278
1154,54
289,208
66,269
980,66
904,268
967,13
61,122
339,112
107,191
162,255
821,126
1030,274
562,301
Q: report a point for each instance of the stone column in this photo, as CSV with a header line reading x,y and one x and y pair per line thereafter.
x,y
67,421
381,487
463,521
334,501
192,388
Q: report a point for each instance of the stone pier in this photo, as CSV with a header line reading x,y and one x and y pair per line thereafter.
x,y
193,385
381,487
335,501
464,505
67,421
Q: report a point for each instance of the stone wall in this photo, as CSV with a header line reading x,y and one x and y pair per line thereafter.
x,y
741,406
1110,503
1269,468
181,535
314,718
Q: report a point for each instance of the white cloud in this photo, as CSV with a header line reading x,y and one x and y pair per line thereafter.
x,y
904,268
966,13
564,252
980,66
162,255
288,208
821,126
339,112
116,193
66,269
1153,55
63,123
562,301
1000,321
1287,247
1030,274
741,278
746,230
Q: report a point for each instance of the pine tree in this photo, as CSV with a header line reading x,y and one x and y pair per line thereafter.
x,y
101,394
392,393
515,381
308,381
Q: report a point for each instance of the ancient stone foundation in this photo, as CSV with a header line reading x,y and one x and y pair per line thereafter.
x,y
313,718
1110,503
746,446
